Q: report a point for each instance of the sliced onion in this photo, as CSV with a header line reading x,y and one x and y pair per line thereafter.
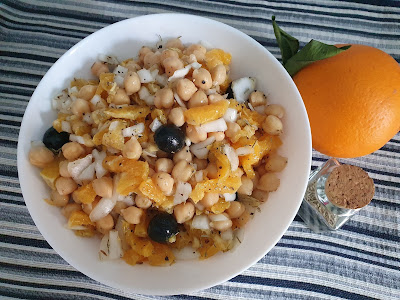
x,y
73,91
229,197
200,149
114,245
188,142
195,65
232,157
134,130
246,150
98,160
199,175
145,76
128,200
206,44
66,126
143,92
250,106
217,218
201,222
227,235
231,115
102,209
242,88
113,125
214,126
119,80
95,100
88,173
179,100
154,72
112,60
119,226
182,193
155,125
76,167
180,73
77,138
120,70
88,118
104,250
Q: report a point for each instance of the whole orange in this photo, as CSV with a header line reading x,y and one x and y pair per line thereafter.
x,y
352,100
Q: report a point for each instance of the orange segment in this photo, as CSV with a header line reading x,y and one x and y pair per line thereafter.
x,y
79,83
161,255
79,218
220,206
51,172
229,185
216,57
217,156
203,114
149,189
131,112
132,258
85,194
131,179
106,84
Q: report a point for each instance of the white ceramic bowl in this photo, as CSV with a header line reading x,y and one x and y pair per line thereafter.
x,y
124,39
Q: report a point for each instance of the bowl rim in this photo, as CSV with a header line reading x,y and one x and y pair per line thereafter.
x,y
201,286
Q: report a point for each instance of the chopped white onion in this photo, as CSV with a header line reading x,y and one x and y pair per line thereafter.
x,y
232,156
217,218
98,160
95,100
128,200
195,65
181,73
250,106
201,222
229,197
66,126
149,100
179,100
188,142
88,118
120,71
76,167
155,125
113,125
134,130
102,209
154,72
104,250
145,76
114,243
227,235
88,173
73,91
199,175
246,150
143,92
200,149
211,92
119,226
182,193
242,88
112,60
231,115
206,44
77,138
119,80
214,126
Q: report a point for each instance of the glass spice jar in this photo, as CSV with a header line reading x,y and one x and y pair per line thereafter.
x,y
317,211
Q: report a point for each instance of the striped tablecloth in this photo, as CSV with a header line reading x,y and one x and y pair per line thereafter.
x,y
362,260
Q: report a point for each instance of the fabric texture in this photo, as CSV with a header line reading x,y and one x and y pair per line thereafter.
x,y
360,261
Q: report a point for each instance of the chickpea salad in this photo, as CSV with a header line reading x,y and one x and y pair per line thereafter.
x,y
161,153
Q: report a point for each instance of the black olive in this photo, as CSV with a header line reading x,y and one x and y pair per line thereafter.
x,y
54,140
162,227
229,92
169,138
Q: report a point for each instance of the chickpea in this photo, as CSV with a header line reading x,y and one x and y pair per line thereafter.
x,y
183,154
198,50
275,163
214,98
210,199
235,210
72,150
143,51
198,99
202,78
182,171
221,225
65,186
105,224
40,156
275,110
142,201
272,125
63,169
132,66
268,182
132,83
132,214
195,134
171,64
168,53
184,212
185,89
87,92
58,199
103,187
219,135
201,163
164,165
99,68
164,98
260,170
165,182
233,129
87,208
218,74
260,195
132,149
239,172
80,107
150,59
176,116
257,98
68,209
121,97
120,205
212,171
247,186
174,43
